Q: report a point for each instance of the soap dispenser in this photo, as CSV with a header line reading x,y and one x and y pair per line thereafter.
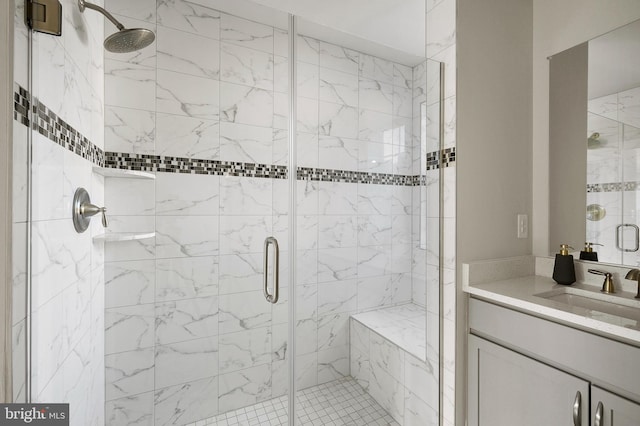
x,y
588,253
564,272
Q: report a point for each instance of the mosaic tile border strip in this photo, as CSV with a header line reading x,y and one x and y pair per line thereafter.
x,y
54,128
447,158
50,125
156,163
613,187
346,176
165,164
21,105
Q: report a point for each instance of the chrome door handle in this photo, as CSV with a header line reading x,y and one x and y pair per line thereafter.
x,y
271,298
637,231
599,412
577,410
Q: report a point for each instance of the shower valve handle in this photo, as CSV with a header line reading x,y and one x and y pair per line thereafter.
x,y
83,210
88,210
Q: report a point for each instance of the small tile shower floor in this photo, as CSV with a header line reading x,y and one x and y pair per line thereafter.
x,y
339,403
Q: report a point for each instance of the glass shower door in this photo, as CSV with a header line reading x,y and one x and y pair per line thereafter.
x,y
220,347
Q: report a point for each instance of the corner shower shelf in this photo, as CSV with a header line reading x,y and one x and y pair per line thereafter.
x,y
121,173
124,236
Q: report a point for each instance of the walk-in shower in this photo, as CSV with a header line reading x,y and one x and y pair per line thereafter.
x,y
248,149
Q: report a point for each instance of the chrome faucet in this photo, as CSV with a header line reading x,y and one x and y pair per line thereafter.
x,y
607,286
634,274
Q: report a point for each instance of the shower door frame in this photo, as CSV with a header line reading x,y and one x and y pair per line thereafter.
x,y
293,182
6,141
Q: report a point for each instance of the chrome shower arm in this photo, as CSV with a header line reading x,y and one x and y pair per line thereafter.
x,y
83,4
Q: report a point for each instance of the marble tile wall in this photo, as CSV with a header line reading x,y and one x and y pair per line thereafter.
x,y
623,107
67,268
195,290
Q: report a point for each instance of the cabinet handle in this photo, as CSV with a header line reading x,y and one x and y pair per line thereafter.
x,y
577,410
599,411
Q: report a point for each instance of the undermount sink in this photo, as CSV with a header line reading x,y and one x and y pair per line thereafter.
x,y
626,310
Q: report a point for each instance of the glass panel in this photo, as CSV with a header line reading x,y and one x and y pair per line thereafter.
x,y
66,297
367,315
21,147
432,153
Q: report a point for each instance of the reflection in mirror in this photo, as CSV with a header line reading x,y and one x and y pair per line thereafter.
x,y
611,142
596,212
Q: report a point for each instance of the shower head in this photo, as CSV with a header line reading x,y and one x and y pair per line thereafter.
x,y
126,39
129,40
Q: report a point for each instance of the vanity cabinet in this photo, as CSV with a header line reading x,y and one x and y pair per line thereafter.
x,y
613,410
512,389
526,371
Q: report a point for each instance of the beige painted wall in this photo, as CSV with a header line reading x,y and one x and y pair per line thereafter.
x,y
557,26
493,127
493,144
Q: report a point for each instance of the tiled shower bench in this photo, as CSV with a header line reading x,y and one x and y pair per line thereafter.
x,y
388,348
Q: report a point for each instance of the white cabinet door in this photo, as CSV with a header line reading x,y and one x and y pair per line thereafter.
x,y
510,389
609,409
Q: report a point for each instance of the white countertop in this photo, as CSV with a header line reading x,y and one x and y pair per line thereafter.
x,y
519,293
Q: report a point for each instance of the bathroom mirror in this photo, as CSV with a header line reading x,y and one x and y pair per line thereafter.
x,y
594,131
